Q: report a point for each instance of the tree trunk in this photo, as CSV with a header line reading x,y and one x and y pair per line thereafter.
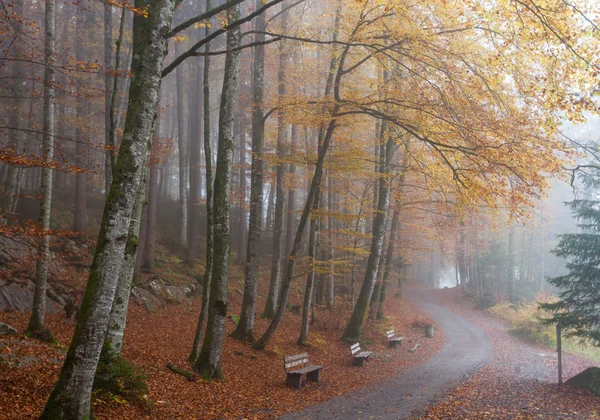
x,y
71,396
209,361
181,144
511,267
388,264
149,251
312,192
82,128
361,309
310,281
272,297
195,174
108,85
242,228
291,212
203,317
113,342
38,311
245,328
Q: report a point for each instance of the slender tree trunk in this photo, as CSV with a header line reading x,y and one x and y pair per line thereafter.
x,y
270,206
274,283
195,174
108,85
71,396
361,309
388,264
511,267
310,281
330,228
245,328
16,119
209,361
82,128
242,228
181,143
149,250
203,317
291,213
113,341
312,192
38,311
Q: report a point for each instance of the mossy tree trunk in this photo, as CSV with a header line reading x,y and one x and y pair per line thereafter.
x,y
209,361
71,397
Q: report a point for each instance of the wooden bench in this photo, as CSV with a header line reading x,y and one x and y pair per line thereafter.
x,y
359,356
300,363
393,341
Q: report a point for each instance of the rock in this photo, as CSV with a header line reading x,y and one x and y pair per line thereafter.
x,y
588,379
144,297
6,329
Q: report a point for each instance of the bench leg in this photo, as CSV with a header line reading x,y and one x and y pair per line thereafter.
x,y
294,380
359,361
393,344
314,376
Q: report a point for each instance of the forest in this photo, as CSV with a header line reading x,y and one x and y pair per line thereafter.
x,y
193,190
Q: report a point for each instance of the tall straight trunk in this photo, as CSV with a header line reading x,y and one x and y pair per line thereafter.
x,y
209,361
38,311
194,172
361,309
511,265
181,144
16,120
270,206
113,341
291,216
71,396
274,282
82,133
108,86
242,228
149,250
388,264
310,281
312,192
245,328
203,317
330,228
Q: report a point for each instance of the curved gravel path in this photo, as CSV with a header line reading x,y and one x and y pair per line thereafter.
x,y
467,348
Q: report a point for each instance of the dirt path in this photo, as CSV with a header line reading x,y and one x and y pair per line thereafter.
x,y
467,349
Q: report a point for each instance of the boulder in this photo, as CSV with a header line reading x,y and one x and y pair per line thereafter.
x,y
6,329
588,379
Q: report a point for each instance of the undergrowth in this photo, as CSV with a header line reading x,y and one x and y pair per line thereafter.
x,y
526,322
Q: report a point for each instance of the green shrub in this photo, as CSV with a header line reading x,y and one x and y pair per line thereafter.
x,y
120,377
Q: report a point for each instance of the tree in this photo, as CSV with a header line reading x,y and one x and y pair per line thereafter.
x,y
245,328
209,360
36,322
577,307
71,397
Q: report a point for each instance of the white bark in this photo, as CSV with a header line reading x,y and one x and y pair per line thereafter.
x,y
38,312
71,396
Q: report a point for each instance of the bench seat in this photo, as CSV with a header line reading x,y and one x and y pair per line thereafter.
x,y
359,356
393,341
294,377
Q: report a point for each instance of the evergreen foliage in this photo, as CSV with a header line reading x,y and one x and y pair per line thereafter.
x,y
578,307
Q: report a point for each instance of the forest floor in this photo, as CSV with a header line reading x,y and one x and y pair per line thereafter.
x,y
520,382
254,380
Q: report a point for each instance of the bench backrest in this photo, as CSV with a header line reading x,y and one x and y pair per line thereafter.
x,y
297,360
390,334
355,348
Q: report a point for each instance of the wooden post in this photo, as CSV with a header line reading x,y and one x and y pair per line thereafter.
x,y
559,350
